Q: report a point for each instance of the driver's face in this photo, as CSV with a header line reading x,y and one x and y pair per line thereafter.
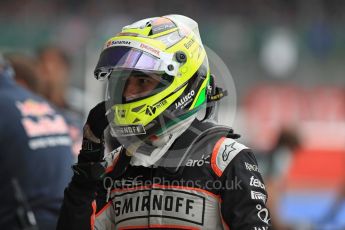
x,y
140,85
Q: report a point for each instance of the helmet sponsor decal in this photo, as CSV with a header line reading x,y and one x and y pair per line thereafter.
x,y
162,28
185,100
170,39
127,130
151,110
160,104
189,43
150,49
135,44
117,42
161,24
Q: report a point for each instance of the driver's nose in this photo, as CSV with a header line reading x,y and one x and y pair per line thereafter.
x,y
132,88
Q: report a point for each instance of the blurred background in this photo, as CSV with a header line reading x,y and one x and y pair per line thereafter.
x,y
287,59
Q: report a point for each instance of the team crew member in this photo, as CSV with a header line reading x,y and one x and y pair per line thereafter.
x,y
165,167
35,154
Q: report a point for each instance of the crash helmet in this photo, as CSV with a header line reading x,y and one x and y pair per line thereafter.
x,y
157,75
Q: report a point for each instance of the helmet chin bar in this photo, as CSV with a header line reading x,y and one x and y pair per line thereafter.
x,y
151,129
133,142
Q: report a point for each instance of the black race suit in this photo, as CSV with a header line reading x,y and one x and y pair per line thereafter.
x,y
213,185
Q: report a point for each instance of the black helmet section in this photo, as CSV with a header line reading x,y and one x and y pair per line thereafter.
x,y
214,94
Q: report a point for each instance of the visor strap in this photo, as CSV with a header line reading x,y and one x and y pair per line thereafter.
x,y
219,94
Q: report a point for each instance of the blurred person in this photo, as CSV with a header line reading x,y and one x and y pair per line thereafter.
x,y
280,156
54,69
279,162
165,163
26,71
35,155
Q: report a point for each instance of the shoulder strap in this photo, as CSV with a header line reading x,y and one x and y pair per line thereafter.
x,y
189,141
199,130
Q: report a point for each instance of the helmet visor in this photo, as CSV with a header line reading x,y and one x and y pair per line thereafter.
x,y
125,58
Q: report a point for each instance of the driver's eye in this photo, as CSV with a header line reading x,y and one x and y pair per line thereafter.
x,y
144,80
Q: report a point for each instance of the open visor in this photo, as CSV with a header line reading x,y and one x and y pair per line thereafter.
x,y
124,57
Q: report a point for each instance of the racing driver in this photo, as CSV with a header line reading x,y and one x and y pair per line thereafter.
x,y
148,161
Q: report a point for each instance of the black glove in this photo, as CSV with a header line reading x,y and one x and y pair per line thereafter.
x,y
97,120
91,167
96,123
